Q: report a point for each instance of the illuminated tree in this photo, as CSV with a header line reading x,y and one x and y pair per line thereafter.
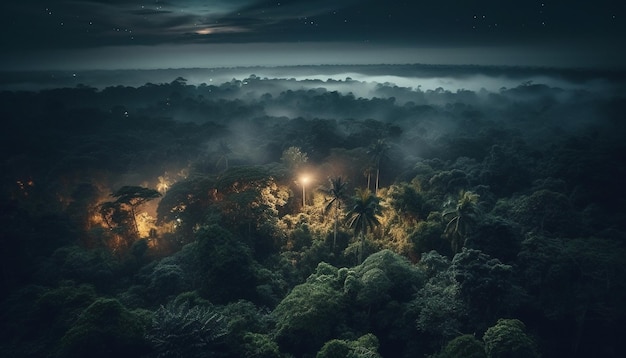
x,y
133,197
363,216
294,158
461,219
120,215
186,204
337,194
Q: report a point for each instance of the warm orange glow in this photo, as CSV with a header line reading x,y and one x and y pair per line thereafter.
x,y
24,185
206,31
145,224
164,184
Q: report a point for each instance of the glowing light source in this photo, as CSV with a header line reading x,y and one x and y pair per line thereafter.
x,y
304,180
206,31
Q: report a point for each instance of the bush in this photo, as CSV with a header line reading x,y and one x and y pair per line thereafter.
x,y
508,339
465,346
179,330
105,329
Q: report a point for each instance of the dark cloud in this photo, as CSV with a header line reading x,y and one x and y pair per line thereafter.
x,y
39,26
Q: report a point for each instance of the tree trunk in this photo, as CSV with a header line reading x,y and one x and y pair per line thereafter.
x,y
335,231
377,174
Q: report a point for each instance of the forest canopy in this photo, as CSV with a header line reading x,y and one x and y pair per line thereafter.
x,y
272,217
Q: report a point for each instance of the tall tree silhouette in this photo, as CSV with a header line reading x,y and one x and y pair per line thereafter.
x,y
336,192
124,208
363,216
461,219
377,152
224,151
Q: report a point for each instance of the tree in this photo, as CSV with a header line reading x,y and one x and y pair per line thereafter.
x,y
225,264
311,312
337,193
461,219
124,209
224,151
378,151
365,346
105,329
485,285
363,216
179,330
465,346
294,158
508,339
186,204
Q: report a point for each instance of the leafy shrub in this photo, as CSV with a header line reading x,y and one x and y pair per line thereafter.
x,y
184,331
105,329
508,339
465,346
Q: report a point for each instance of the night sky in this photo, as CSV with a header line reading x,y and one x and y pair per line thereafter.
x,y
99,34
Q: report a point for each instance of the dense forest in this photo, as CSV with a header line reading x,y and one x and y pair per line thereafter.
x,y
266,217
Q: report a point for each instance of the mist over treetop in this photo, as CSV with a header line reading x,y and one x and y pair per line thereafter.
x,y
315,211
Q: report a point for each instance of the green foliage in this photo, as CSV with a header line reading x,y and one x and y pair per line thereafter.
x,y
34,318
438,303
186,203
336,192
508,339
465,346
461,219
179,330
426,236
441,310
226,266
308,315
293,158
242,317
104,329
548,212
485,285
573,278
377,152
408,202
391,275
363,215
497,238
96,267
258,345
364,347
335,348
381,289
167,279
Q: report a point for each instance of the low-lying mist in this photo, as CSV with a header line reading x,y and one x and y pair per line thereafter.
x,y
141,124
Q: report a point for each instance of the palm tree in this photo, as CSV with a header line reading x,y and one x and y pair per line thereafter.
x,y
337,194
363,216
461,219
377,151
